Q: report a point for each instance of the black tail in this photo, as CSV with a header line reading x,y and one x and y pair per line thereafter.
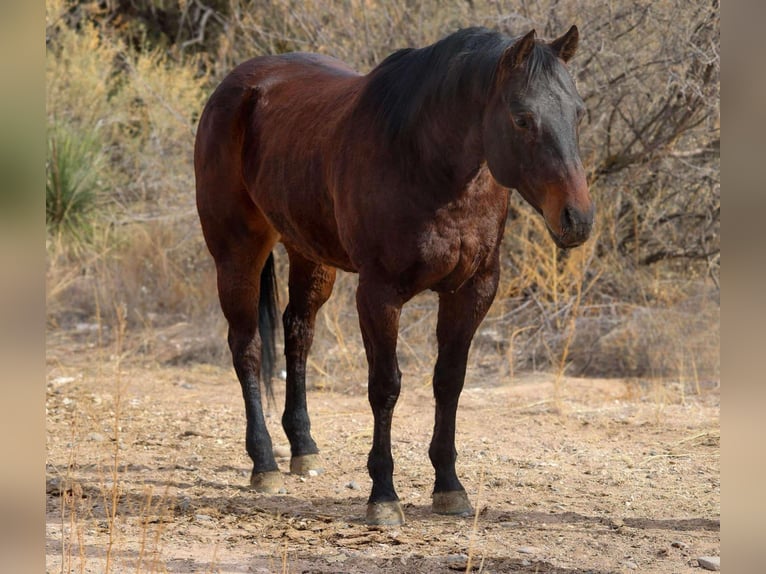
x,y
268,307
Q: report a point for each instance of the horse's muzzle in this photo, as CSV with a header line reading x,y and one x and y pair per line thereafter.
x,y
575,225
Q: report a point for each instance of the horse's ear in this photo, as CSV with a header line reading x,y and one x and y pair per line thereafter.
x,y
516,53
566,46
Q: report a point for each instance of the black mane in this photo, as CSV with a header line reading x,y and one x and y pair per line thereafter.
x,y
457,68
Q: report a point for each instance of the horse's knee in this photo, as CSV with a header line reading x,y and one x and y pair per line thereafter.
x,y
384,390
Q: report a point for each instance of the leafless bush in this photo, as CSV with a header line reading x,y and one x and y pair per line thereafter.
x,y
640,298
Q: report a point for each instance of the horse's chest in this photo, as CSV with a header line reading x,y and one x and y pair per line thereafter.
x,y
458,246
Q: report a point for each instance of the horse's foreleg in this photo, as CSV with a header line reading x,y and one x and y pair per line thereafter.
x,y
310,286
379,310
459,315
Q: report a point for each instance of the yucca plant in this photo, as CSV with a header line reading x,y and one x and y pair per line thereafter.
x,y
73,163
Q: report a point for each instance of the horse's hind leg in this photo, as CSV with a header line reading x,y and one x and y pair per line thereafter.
x,y
239,267
459,315
310,285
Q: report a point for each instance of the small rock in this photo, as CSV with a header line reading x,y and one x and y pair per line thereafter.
x,y
352,485
456,561
203,518
710,562
679,544
63,380
630,565
527,550
313,472
510,524
96,437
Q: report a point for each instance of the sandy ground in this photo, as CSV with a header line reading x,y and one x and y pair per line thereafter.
x,y
147,472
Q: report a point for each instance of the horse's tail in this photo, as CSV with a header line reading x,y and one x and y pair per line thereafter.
x,y
268,305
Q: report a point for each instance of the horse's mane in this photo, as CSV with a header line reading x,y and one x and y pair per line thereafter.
x,y
459,67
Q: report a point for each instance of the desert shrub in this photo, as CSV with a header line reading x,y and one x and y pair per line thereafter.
x,y
72,184
122,129
640,298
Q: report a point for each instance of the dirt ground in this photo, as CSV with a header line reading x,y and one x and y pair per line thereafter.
x,y
147,472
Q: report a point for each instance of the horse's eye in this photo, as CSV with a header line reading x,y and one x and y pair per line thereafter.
x,y
521,121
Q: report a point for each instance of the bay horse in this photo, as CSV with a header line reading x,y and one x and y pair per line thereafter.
x,y
401,175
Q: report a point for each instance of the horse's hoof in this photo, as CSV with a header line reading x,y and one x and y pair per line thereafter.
x,y
454,502
385,513
269,482
304,464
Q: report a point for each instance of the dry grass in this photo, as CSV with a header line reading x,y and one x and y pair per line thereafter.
x,y
145,250
596,310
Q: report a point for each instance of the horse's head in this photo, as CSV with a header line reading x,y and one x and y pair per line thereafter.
x,y
531,134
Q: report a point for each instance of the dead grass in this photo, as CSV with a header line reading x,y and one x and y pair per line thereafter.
x,y
595,310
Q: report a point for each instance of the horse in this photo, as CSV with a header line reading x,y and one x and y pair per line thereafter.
x,y
401,175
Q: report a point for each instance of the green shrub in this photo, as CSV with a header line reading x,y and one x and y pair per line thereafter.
x,y
72,168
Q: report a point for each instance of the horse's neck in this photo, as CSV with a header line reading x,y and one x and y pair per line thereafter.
x,y
450,146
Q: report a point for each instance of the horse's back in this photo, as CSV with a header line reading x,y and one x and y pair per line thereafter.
x,y
272,87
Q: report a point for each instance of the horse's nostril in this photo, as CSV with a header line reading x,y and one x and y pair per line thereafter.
x,y
567,221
